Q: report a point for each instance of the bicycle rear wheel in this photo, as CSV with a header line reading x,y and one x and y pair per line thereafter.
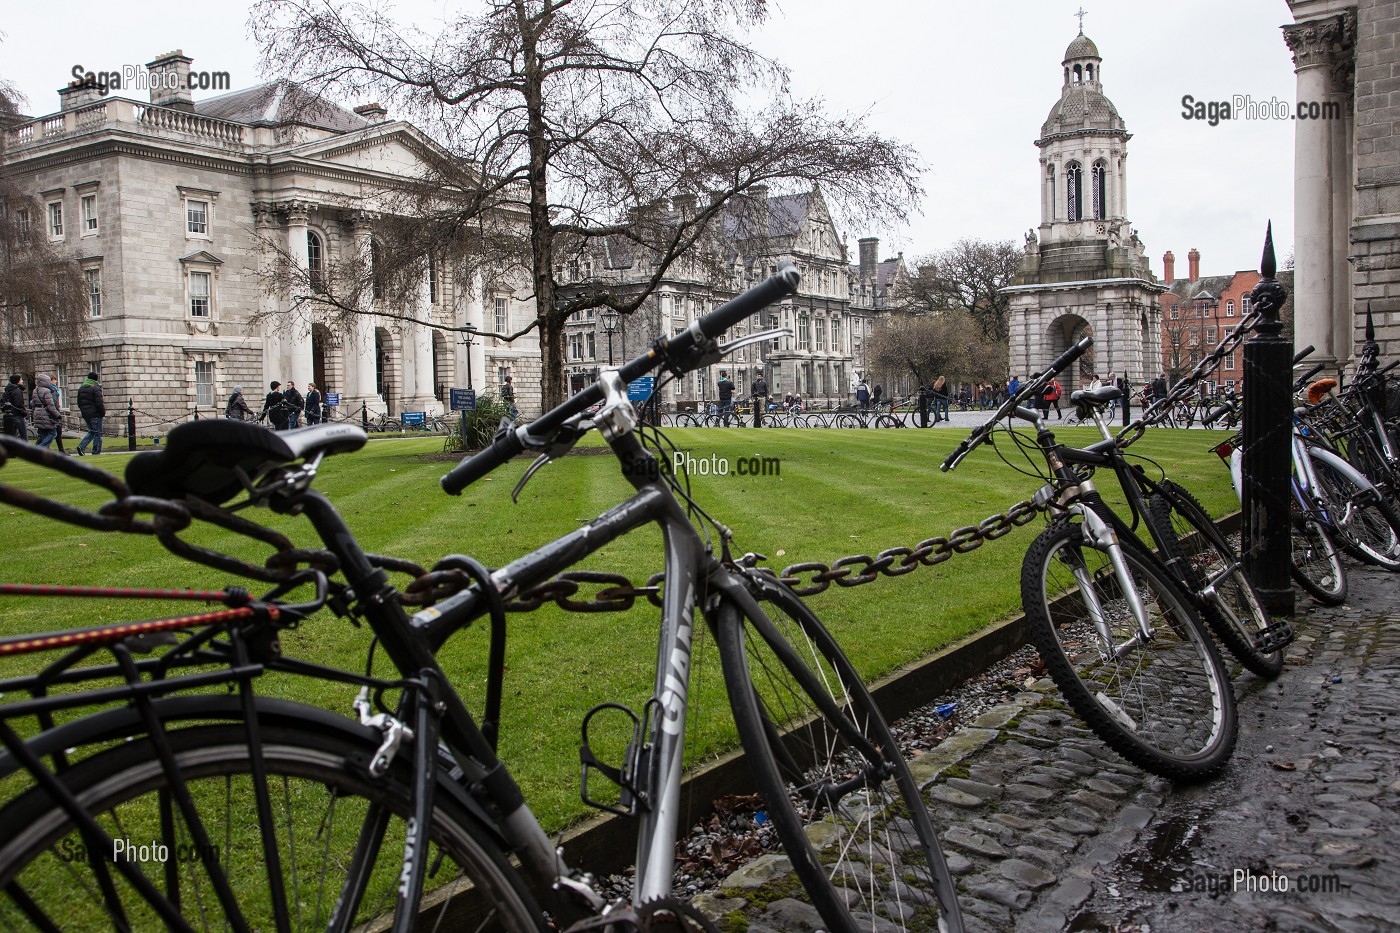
x,y
1211,568
327,808
1317,561
838,790
1164,703
1367,524
888,421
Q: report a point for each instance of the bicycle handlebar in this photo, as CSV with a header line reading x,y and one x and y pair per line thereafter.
x,y
509,441
1031,388
1302,380
1303,354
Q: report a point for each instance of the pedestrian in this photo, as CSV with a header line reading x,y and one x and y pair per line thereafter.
x,y
237,407
1125,387
726,398
44,410
1044,401
1159,387
508,397
759,389
15,405
875,396
295,403
940,400
863,395
1054,391
1012,385
1094,382
313,404
274,407
92,409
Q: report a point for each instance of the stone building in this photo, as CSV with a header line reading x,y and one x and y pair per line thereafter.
x,y
1084,269
1346,173
178,208
836,299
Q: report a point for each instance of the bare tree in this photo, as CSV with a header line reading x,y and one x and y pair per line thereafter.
x,y
1181,347
564,124
969,275
927,346
43,308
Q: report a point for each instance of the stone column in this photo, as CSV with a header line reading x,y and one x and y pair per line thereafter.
x,y
359,343
420,336
297,331
1317,47
269,306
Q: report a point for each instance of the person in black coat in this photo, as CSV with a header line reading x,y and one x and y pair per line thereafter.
x,y
313,404
294,405
15,404
91,407
275,408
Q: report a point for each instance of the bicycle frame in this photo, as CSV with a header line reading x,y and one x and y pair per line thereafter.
x,y
653,778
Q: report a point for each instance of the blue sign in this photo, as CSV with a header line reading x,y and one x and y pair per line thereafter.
x,y
413,418
332,399
463,399
639,389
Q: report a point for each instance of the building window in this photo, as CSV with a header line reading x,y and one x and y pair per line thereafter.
x,y
1230,364
1100,191
92,279
56,220
1244,304
821,334
1073,187
203,382
376,271
836,335
22,223
197,217
1230,308
89,211
1176,312
1211,335
804,337
316,262
200,294
502,314
432,281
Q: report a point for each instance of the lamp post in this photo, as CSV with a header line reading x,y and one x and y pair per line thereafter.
x,y
468,342
609,319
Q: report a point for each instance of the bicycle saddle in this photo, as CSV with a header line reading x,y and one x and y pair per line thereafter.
x,y
1098,396
200,458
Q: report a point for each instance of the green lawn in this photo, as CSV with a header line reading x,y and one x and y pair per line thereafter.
x,y
839,492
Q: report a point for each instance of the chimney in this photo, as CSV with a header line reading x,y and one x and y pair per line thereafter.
x,y
1193,263
78,94
759,194
1168,267
169,77
869,247
374,113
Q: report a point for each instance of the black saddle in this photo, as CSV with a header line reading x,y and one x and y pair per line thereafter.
x,y
1100,396
201,458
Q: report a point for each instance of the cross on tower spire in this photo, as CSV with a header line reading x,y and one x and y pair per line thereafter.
x,y
1081,14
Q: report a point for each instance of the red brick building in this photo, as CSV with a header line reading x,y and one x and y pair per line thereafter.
x,y
1197,311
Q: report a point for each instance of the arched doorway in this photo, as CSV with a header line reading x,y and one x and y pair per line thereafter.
x,y
384,367
1064,332
442,366
321,343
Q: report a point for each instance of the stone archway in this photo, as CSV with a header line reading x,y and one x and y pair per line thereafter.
x,y
386,361
1064,332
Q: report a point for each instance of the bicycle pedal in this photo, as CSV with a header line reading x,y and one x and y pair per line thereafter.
x,y
1276,637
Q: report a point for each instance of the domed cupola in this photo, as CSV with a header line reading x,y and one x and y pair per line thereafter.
x,y
1082,105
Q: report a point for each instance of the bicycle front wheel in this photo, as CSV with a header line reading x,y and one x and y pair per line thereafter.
x,y
837,788
1208,566
1367,525
1163,702
339,836
1317,561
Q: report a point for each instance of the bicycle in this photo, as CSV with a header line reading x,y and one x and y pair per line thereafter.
x,y
419,773
1118,632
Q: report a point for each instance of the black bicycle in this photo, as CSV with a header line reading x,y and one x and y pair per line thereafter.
x,y
282,815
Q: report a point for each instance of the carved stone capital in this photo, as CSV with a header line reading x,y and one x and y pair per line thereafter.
x,y
1327,42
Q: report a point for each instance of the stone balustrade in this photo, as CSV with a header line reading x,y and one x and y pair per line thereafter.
x,y
162,121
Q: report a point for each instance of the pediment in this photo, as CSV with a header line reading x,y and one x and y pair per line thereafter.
x,y
202,256
393,148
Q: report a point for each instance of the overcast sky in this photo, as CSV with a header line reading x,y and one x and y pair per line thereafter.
x,y
966,84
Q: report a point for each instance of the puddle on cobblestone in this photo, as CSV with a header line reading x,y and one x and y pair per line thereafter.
x,y
1165,859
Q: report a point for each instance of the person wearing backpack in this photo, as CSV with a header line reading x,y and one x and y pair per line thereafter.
x,y
91,407
237,407
1052,395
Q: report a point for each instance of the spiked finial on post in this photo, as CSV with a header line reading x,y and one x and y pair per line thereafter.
x,y
1268,296
1268,266
1370,325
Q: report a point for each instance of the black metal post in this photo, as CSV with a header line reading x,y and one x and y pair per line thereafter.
x,y
1268,450
923,407
130,425
364,415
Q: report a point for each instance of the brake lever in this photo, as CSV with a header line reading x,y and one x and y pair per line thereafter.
x,y
562,442
727,348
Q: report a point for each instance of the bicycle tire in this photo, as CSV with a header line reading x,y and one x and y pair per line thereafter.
x,y
1316,561
1367,524
888,421
1185,730
128,792
849,421
865,850
687,420
1209,567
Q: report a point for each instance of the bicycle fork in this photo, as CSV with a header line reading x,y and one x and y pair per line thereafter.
x,y
1100,535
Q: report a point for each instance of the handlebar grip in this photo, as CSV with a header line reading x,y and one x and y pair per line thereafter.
x,y
1070,355
955,456
1303,354
505,445
1303,379
779,285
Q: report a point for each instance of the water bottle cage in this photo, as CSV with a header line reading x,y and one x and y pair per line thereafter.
x,y
633,797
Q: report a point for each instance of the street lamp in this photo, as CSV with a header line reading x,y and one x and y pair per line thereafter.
x,y
469,331
609,319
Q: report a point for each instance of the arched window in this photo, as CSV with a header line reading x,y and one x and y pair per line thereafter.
x,y
1078,74
1088,72
316,261
1100,184
1073,188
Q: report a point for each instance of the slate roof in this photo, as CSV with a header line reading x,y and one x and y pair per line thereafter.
x,y
277,103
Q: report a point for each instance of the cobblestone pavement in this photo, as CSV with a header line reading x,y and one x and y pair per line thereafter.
x,y
1049,830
